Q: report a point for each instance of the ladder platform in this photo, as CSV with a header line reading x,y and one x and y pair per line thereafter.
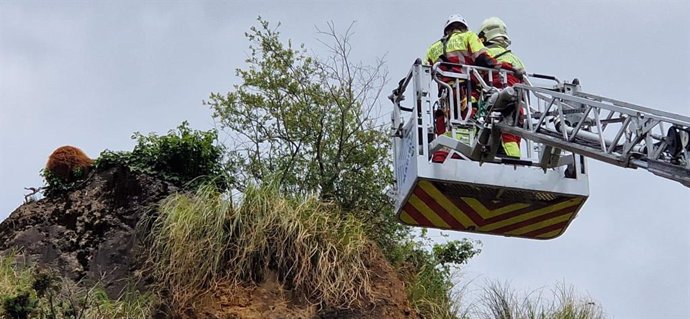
x,y
457,183
489,209
495,199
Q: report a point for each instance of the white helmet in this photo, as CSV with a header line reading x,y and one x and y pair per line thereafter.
x,y
453,19
493,28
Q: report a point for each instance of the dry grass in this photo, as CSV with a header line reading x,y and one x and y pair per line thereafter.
x,y
571,306
188,242
200,239
501,301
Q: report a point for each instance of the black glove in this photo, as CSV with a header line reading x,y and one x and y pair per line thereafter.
x,y
519,73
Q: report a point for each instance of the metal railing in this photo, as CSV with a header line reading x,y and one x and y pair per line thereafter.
x,y
560,121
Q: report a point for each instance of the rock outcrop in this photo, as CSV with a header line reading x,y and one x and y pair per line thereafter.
x,y
88,234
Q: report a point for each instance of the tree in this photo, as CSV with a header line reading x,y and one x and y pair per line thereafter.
x,y
311,124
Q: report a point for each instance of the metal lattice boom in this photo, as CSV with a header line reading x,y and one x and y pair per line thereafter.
x,y
609,130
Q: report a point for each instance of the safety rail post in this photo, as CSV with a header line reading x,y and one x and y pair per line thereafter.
x,y
421,76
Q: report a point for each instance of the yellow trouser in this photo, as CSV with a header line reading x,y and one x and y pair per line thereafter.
x,y
462,135
511,148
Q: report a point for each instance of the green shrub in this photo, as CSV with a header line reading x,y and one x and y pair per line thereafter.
x,y
184,157
20,306
428,271
55,185
26,292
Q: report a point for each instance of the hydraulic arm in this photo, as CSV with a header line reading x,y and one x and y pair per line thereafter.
x,y
608,130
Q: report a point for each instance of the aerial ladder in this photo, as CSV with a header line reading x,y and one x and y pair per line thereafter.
x,y
473,188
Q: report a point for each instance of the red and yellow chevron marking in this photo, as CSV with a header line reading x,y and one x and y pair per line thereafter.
x,y
427,206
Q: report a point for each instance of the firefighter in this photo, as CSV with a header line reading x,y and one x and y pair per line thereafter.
x,y
494,35
459,45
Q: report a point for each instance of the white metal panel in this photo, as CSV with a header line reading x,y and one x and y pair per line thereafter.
x,y
505,176
406,162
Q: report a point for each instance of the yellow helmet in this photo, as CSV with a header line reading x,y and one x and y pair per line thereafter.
x,y
493,28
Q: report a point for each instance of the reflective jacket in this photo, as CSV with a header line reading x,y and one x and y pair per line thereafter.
x,y
505,56
458,47
502,54
462,48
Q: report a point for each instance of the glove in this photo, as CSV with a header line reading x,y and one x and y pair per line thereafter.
x,y
519,73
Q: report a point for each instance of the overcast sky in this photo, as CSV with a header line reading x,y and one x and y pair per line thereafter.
x,y
89,74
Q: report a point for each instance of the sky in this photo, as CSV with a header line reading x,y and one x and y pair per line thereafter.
x,y
91,73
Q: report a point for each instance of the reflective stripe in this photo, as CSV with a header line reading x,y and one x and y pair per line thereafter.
x,y
434,204
511,149
456,57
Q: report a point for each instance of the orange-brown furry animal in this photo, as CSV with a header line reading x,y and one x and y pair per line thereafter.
x,y
69,163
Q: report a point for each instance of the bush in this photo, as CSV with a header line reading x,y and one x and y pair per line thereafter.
x,y
199,239
428,271
55,185
20,306
184,157
26,292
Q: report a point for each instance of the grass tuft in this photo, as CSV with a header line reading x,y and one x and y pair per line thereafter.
x,y
501,301
13,279
200,239
131,305
188,241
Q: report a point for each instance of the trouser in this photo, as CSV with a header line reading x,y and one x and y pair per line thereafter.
x,y
510,142
511,145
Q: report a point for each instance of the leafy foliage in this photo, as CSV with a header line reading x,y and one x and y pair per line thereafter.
x,y
183,157
455,252
20,306
428,269
310,123
56,185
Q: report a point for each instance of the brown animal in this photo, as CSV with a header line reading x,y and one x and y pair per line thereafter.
x,y
69,163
